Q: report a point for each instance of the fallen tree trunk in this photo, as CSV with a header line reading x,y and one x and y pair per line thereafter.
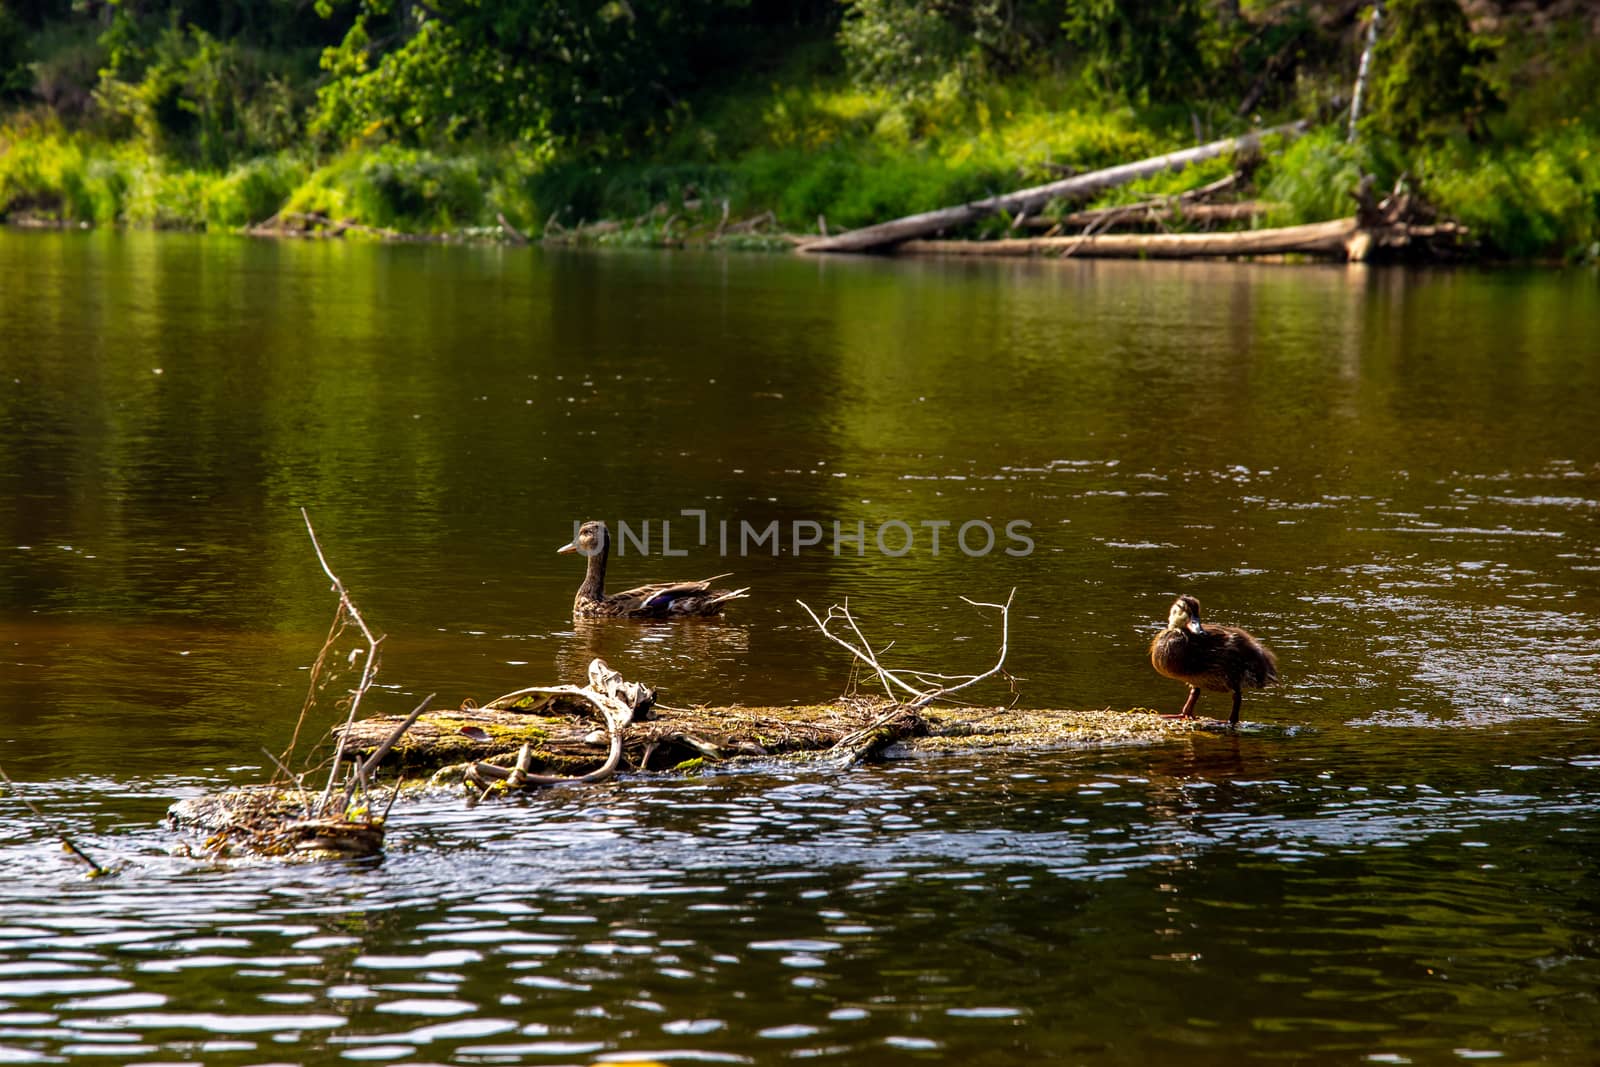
x,y
884,234
496,751
1317,238
843,732
1340,238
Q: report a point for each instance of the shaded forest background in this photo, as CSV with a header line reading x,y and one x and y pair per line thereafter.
x,y
447,115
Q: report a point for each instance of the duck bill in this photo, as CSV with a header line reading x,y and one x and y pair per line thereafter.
x,y
570,546
1194,627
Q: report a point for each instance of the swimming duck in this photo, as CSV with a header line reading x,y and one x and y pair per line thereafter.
x,y
1218,659
661,600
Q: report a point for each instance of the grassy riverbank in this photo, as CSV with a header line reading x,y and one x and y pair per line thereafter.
x,y
814,142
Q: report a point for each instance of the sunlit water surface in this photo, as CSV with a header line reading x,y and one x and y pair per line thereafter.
x,y
1393,477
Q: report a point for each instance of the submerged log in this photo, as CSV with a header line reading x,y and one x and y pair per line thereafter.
x,y
885,234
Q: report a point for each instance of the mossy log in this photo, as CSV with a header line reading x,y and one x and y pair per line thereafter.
x,y
564,737
841,732
568,735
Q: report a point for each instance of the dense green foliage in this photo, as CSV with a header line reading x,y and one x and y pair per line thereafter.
x,y
594,78
1431,72
449,114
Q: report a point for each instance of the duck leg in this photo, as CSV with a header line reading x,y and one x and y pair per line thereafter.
x,y
1188,706
1238,698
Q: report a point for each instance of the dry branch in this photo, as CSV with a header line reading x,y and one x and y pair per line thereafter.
x,y
274,820
307,224
369,667
364,768
516,235
70,846
617,701
930,685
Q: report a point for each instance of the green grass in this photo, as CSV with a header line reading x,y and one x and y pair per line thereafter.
x,y
404,189
254,191
1312,178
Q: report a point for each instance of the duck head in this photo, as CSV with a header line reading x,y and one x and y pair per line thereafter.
x,y
1184,615
593,539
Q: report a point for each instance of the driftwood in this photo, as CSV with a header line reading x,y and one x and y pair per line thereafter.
x,y
886,234
617,701
1396,225
1321,238
663,226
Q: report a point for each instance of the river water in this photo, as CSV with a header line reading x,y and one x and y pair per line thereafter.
x,y
1393,477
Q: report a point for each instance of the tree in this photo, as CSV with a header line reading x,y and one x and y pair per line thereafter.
x,y
1429,70
586,77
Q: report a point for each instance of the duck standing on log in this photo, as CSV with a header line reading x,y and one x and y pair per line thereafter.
x,y
661,600
1218,659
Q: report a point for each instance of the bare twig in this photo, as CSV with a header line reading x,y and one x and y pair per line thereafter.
x,y
933,685
617,716
399,731
864,654
766,218
334,630
299,784
368,669
95,870
383,820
